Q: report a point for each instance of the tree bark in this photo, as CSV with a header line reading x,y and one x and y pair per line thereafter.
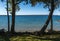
x,y
13,17
49,17
8,18
51,29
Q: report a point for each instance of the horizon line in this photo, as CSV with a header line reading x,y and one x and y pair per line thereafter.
x,y
9,15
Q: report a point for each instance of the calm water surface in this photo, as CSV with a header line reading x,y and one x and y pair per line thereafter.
x,y
30,22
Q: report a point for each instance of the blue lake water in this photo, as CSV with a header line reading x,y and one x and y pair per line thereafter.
x,y
30,22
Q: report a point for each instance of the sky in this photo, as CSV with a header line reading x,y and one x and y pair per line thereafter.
x,y
29,10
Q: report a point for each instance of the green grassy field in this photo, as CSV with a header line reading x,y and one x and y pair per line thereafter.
x,y
31,38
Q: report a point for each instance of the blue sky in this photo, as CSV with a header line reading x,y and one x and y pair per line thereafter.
x,y
28,10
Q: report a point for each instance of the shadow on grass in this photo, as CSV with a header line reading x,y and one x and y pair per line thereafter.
x,y
4,38
56,40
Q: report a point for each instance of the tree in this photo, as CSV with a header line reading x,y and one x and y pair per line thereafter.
x,y
8,18
51,29
7,14
54,4
13,16
47,2
14,7
51,4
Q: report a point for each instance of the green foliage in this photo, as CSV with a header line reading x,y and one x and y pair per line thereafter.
x,y
47,3
17,2
10,6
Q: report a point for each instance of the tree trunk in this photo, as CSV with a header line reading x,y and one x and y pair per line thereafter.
x,y
51,29
49,18
13,17
8,18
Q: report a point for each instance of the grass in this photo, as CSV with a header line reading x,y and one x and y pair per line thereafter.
x,y
31,38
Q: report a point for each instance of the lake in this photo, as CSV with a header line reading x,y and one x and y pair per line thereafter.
x,y
29,22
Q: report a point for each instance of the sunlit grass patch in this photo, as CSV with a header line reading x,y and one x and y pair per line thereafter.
x,y
27,38
31,38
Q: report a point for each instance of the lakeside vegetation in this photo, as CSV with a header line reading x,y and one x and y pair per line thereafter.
x,y
31,38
